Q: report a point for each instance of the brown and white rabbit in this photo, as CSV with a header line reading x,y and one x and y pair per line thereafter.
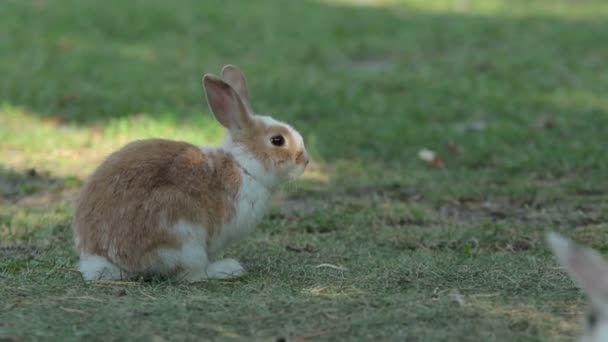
x,y
590,271
160,207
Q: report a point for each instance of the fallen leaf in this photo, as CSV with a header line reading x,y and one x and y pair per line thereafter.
x,y
54,120
67,98
430,157
545,122
454,149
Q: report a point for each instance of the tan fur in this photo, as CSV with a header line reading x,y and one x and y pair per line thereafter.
x,y
269,155
254,134
132,210
233,76
128,207
257,138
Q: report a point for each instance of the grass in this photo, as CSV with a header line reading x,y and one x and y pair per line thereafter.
x,y
510,94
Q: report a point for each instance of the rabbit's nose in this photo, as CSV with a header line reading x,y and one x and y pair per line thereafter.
x,y
303,158
306,159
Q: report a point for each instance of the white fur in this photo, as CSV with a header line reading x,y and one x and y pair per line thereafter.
x,y
251,203
598,334
192,257
250,207
256,187
209,161
224,269
198,256
95,267
248,162
268,120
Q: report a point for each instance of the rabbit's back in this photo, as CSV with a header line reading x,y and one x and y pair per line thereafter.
x,y
128,208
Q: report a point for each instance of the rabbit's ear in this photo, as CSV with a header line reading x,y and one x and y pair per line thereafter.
x,y
585,265
235,77
226,104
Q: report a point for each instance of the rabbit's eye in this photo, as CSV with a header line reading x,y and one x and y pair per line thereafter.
x,y
277,140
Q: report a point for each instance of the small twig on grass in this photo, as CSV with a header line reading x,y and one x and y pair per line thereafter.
x,y
84,298
485,295
147,295
68,270
339,268
312,335
73,310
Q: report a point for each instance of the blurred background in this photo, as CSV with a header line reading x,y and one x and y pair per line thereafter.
x,y
516,86
483,119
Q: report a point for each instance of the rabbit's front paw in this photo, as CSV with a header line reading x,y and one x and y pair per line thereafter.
x,y
225,269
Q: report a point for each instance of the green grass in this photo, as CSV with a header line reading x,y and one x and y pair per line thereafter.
x,y
510,94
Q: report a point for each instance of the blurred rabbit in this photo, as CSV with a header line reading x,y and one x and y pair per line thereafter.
x,y
590,271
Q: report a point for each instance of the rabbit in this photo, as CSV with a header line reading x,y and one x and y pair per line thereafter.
x,y
590,271
166,208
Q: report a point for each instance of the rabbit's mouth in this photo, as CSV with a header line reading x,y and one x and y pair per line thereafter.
x,y
296,172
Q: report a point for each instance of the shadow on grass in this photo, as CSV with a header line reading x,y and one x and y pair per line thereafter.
x,y
30,188
35,218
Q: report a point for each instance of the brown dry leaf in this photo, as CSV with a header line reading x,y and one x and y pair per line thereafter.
x,y
54,121
545,122
454,149
431,158
68,98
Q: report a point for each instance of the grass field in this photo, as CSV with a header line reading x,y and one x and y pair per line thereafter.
x,y
511,94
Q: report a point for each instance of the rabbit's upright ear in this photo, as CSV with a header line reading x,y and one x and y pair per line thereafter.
x,y
585,265
226,104
235,77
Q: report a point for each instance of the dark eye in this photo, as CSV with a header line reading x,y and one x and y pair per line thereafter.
x,y
277,140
